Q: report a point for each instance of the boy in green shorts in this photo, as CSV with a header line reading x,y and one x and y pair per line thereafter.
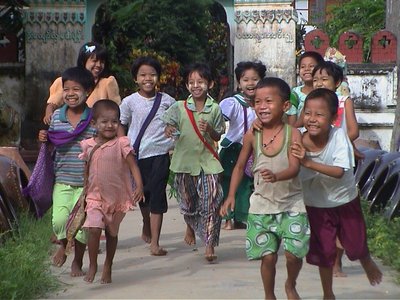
x,y
277,213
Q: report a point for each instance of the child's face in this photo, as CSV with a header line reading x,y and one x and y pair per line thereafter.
x,y
317,117
107,124
269,105
147,79
74,94
198,86
95,66
322,79
248,82
305,69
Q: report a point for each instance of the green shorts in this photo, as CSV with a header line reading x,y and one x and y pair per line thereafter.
x,y
64,199
265,233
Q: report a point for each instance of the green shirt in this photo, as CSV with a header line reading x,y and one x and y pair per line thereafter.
x,y
190,155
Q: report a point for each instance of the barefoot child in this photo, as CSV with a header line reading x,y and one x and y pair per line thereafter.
x,y
330,192
277,212
199,122
69,125
150,144
238,112
109,194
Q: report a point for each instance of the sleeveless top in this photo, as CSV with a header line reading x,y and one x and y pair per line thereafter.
x,y
341,114
280,196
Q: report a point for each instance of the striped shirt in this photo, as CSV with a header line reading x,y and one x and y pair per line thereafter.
x,y
68,168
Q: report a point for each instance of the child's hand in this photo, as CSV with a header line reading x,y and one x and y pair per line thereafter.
x,y
257,125
42,136
229,205
204,126
268,175
137,195
298,150
47,118
169,131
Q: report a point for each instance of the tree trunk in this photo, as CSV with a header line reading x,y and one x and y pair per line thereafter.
x,y
393,25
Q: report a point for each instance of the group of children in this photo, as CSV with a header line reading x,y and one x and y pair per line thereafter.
x,y
288,165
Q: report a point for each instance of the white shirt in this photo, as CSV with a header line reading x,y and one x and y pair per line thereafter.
x,y
134,110
320,190
233,112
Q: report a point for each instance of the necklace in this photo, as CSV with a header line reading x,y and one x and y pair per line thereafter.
x,y
273,138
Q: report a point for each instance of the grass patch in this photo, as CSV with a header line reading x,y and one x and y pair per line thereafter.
x,y
24,260
384,239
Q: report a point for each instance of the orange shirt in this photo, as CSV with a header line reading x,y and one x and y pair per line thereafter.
x,y
106,88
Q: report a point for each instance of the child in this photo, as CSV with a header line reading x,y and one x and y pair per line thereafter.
x,y
109,194
238,112
307,61
94,58
198,122
69,125
150,144
277,212
330,192
329,75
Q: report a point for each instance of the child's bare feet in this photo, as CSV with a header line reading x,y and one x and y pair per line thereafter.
x,y
106,276
291,291
338,272
76,269
210,255
146,231
59,257
372,271
190,237
158,251
90,274
228,225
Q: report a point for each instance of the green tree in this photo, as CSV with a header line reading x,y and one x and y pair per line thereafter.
x,y
180,30
365,17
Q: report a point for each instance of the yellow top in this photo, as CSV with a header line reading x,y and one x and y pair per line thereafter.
x,y
106,88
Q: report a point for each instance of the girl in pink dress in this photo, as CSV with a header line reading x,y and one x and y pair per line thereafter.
x,y
109,187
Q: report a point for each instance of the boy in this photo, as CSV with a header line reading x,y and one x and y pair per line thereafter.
x,y
276,211
69,125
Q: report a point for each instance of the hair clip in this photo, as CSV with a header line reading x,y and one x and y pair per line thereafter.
x,y
90,49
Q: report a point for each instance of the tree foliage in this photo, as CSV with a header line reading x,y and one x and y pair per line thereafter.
x,y
362,16
184,31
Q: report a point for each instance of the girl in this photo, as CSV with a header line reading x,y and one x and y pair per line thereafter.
x,y
69,125
238,112
307,61
330,192
150,144
94,58
199,123
109,194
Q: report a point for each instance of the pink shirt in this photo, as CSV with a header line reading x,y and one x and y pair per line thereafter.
x,y
110,183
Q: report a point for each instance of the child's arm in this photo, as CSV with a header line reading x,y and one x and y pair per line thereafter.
x,y
351,120
237,173
294,163
50,108
204,126
299,151
291,119
138,192
299,121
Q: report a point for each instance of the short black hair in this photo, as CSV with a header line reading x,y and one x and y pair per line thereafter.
x,y
94,49
331,69
328,96
243,66
315,55
103,105
280,84
201,68
148,61
81,75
